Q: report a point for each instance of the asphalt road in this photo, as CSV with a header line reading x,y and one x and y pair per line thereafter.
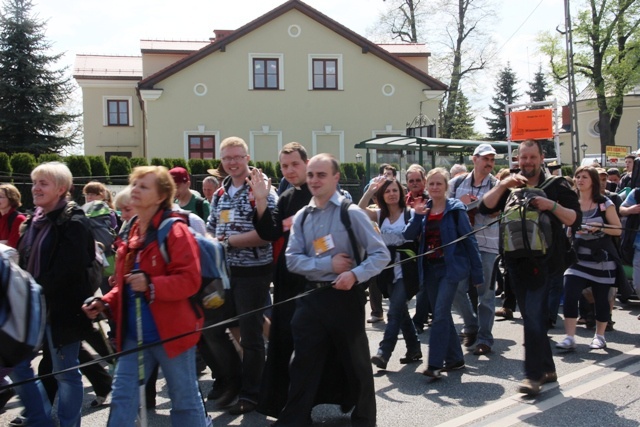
x,y
595,387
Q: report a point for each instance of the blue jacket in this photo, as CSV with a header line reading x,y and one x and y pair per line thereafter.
x,y
462,259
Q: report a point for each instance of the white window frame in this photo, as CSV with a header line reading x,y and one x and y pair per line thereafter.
x,y
278,56
185,141
328,130
105,109
339,64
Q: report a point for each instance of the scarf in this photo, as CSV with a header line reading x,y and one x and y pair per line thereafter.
x,y
36,234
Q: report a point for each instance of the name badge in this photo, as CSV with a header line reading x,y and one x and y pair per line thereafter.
x,y
226,216
323,244
287,223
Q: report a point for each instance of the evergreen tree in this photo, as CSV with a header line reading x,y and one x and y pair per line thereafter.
x,y
462,123
539,88
505,94
31,91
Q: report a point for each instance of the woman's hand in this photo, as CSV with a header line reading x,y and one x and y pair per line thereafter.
x,y
94,309
376,183
421,208
138,281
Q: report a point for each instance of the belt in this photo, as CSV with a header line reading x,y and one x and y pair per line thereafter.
x,y
317,285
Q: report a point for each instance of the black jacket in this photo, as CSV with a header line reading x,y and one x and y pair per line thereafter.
x,y
64,258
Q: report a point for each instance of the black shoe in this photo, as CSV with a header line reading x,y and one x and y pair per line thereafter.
x,y
242,406
379,360
410,357
18,421
433,373
227,398
468,339
448,367
5,396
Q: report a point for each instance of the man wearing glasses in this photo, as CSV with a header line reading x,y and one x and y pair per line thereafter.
x,y
249,259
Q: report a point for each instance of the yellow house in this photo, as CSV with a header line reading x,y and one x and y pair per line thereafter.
x,y
293,74
627,136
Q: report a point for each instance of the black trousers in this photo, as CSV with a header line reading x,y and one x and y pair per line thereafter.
x,y
325,321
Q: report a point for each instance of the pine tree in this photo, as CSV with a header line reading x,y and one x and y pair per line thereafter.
x,y
462,123
32,93
505,94
539,87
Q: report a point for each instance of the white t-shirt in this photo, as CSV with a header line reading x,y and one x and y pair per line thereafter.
x,y
392,235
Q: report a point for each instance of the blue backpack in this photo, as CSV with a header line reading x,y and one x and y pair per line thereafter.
x,y
22,312
213,266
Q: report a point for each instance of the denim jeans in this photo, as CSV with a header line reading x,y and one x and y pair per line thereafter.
x,y
534,307
482,323
250,293
556,291
32,395
636,271
398,319
444,345
423,307
70,388
180,373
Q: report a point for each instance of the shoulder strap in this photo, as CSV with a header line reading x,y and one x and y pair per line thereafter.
x,y
199,206
346,221
163,232
547,182
216,196
12,218
458,182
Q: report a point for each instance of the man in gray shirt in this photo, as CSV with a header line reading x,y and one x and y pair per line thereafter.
x,y
329,323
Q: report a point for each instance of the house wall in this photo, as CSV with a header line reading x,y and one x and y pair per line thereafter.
x,y
99,138
265,118
152,63
627,134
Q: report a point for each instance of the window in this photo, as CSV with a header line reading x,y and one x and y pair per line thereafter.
x,y
325,74
265,73
117,113
201,147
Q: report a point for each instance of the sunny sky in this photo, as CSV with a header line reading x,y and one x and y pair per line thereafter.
x,y
115,27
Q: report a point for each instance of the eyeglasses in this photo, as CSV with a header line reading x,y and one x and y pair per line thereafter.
x,y
235,159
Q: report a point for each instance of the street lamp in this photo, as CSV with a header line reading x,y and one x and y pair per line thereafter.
x,y
584,147
358,157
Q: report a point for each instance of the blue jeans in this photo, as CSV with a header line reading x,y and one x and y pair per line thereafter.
x,y
180,373
556,291
398,319
482,323
423,307
70,388
32,395
444,345
250,293
636,271
534,307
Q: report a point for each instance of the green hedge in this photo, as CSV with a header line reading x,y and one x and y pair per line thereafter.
x,y
5,163
119,165
198,166
78,165
98,166
138,161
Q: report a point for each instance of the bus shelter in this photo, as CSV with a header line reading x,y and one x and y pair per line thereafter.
x,y
403,143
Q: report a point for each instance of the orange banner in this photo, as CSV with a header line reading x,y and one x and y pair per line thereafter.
x,y
531,124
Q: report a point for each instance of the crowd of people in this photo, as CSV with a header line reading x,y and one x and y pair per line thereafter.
x,y
438,239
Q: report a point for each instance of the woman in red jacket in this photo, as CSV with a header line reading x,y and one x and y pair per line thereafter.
x,y
10,218
164,290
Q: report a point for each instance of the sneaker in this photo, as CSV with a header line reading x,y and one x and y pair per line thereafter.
x,y
379,360
529,387
18,421
505,313
598,343
568,343
374,319
549,377
448,367
481,350
433,373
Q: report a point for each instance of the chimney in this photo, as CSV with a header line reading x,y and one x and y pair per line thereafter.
x,y
220,34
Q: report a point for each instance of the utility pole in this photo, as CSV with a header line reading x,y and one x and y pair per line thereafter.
x,y
571,82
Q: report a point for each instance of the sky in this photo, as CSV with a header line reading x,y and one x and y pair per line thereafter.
x,y
116,27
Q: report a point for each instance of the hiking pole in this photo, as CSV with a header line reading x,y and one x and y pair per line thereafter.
x,y
143,400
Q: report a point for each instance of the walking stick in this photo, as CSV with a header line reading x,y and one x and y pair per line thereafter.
x,y
143,400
